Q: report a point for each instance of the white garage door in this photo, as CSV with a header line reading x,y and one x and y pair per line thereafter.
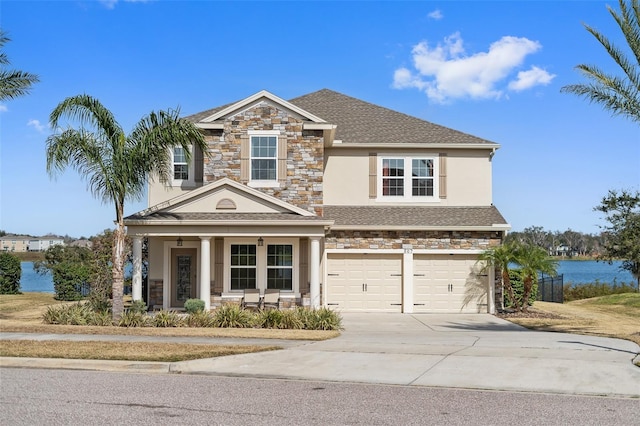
x,y
448,283
364,282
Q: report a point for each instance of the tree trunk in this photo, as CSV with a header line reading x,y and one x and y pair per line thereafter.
x,y
118,269
528,285
507,284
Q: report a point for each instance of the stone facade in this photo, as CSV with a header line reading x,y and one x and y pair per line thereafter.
x,y
302,186
441,240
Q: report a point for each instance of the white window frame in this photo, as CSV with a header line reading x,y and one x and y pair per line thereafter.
x,y
263,183
190,181
261,264
408,178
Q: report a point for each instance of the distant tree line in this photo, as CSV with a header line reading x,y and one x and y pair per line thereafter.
x,y
567,243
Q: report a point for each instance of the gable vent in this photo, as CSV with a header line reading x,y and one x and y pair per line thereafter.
x,y
226,204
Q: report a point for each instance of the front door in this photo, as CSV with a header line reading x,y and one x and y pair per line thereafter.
x,y
183,276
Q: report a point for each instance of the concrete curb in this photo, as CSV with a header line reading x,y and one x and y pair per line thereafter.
x,y
87,364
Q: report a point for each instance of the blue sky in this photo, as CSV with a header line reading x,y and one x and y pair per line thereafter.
x,y
491,69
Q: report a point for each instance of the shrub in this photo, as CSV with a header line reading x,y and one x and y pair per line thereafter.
x,y
291,319
596,289
75,314
166,319
233,316
194,305
133,319
322,319
517,283
98,305
200,319
68,276
138,306
10,271
269,318
100,318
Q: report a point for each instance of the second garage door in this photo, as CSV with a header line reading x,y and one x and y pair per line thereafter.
x,y
364,282
448,283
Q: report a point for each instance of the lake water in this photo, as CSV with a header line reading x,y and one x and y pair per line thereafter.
x,y
30,280
588,271
575,272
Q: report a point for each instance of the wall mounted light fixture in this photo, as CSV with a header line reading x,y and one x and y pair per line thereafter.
x,y
260,242
179,242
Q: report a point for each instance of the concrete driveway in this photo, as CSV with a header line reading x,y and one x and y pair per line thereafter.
x,y
465,351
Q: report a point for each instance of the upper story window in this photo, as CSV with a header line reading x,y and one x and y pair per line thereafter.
x,y
264,157
407,178
180,165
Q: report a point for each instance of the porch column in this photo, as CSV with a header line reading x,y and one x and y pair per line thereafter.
x,y
136,279
314,272
205,271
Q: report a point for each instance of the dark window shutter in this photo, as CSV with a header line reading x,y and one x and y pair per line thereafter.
x,y
198,164
218,271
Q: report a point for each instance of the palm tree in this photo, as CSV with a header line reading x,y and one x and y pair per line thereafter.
x,y
500,258
13,83
116,165
532,261
620,95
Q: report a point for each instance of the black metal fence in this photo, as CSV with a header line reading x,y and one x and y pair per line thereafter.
x,y
550,289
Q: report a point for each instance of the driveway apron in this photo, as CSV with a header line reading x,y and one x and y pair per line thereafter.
x,y
476,351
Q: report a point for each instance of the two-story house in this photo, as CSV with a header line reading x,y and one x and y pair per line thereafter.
x,y
332,200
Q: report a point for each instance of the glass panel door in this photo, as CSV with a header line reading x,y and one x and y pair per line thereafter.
x,y
183,276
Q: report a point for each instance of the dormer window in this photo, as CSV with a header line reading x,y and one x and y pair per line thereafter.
x,y
264,156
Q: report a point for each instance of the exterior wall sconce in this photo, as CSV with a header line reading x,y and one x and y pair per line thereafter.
x,y
260,242
179,242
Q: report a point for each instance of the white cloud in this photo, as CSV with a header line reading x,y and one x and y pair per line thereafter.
x,y
111,4
436,14
528,79
3,108
445,72
42,128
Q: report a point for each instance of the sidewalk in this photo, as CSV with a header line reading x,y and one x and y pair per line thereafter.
x,y
460,351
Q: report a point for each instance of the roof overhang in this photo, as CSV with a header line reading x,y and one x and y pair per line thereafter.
x,y
257,97
485,146
492,228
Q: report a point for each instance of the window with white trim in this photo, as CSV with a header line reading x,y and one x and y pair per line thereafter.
x,y
280,266
244,266
264,157
180,165
407,178
273,265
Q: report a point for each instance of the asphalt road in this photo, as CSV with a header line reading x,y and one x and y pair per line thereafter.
x,y
56,397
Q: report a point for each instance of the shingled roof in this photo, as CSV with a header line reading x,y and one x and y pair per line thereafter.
x,y
213,217
362,122
423,217
366,123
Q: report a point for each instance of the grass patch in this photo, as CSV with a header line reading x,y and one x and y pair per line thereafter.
x,y
626,300
127,351
22,313
615,316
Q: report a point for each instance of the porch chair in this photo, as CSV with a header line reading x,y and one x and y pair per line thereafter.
x,y
251,298
271,298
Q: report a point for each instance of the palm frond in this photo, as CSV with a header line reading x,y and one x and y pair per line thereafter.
x,y
618,94
89,112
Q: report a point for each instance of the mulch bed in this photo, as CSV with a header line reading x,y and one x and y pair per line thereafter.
x,y
530,313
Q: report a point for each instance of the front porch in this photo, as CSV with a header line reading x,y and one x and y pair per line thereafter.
x,y
217,269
